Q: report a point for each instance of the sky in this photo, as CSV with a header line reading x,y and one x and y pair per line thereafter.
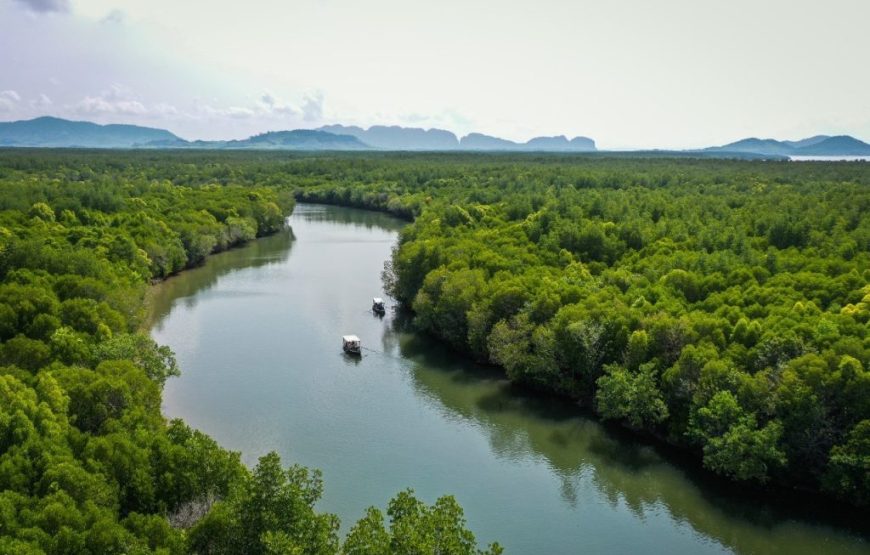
x,y
630,74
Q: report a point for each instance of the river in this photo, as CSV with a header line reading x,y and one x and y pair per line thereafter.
x,y
257,333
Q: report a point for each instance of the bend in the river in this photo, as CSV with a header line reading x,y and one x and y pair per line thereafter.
x,y
257,335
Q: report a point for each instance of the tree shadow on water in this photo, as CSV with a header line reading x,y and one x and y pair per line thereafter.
x,y
594,460
189,285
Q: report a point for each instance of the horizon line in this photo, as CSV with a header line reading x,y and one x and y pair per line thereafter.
x,y
458,136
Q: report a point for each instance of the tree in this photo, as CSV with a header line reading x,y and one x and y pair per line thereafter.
x,y
524,350
157,361
42,211
415,529
733,444
26,353
745,452
848,474
272,511
632,396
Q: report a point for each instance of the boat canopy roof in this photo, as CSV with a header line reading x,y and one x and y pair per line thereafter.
x,y
378,300
350,338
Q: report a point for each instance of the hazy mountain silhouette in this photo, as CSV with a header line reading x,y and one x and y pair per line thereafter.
x,y
479,141
560,143
55,132
299,139
756,146
398,138
820,145
809,141
841,145
414,138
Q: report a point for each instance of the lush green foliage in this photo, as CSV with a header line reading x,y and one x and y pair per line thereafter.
x,y
720,305
87,462
414,528
272,512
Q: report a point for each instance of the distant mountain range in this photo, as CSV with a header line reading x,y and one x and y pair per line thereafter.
x,y
412,138
60,133
298,139
398,138
820,145
56,132
478,141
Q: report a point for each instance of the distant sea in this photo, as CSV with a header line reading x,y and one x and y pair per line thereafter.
x,y
829,158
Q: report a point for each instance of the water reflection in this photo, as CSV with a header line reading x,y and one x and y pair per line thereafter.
x,y
257,332
351,360
190,286
365,219
624,470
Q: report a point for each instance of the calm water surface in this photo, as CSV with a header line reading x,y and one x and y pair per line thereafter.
x,y
257,334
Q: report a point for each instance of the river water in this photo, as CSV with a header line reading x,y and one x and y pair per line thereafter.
x,y
257,332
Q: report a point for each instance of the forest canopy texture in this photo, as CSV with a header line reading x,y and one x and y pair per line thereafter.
x,y
88,465
721,306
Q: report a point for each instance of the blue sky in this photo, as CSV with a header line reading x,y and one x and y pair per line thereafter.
x,y
666,73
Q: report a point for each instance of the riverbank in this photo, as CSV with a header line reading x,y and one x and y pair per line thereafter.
x,y
148,310
89,462
774,484
537,474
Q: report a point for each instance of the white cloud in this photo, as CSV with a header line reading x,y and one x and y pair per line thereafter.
x,y
115,17
41,102
8,100
165,109
646,74
236,112
268,99
10,95
415,118
266,107
117,99
100,105
271,105
239,112
46,6
450,120
312,107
